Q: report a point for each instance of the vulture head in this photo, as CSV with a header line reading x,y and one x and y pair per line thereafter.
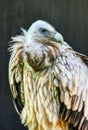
x,y
39,46
41,31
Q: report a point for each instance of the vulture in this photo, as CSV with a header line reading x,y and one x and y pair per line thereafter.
x,y
48,80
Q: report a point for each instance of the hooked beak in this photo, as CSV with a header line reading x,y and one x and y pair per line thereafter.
x,y
57,37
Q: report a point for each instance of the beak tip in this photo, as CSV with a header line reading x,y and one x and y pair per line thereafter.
x,y
58,37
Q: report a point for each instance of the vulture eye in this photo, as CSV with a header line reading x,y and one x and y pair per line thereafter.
x,y
43,30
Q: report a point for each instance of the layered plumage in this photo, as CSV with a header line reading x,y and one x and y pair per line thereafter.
x,y
48,80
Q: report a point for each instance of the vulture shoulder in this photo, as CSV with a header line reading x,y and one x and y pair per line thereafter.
x,y
84,58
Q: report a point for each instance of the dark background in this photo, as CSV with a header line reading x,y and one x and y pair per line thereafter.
x,y
70,17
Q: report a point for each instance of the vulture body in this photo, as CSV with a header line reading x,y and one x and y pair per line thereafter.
x,y
48,80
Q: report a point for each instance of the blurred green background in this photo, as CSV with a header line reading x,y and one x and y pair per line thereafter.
x,y
69,17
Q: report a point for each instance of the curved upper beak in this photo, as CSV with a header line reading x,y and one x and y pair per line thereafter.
x,y
57,37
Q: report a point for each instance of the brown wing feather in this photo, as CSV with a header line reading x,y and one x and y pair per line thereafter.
x,y
16,84
72,72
